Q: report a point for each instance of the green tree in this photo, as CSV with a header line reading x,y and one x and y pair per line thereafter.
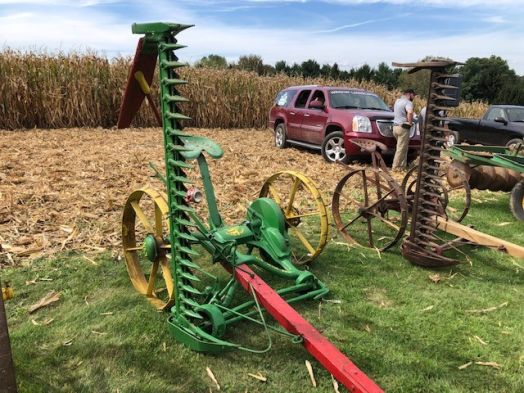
x,y
310,68
486,77
511,93
335,71
386,76
325,71
212,61
346,75
268,70
282,67
295,70
364,73
251,63
419,81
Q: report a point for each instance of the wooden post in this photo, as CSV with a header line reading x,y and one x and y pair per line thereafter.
x,y
7,370
479,238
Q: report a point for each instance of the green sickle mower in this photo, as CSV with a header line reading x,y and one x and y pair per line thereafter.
x,y
164,236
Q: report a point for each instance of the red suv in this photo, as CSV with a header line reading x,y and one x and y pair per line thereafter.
x,y
327,118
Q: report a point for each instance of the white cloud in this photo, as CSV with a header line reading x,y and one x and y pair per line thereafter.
x,y
348,50
442,3
16,16
68,3
66,28
495,20
362,23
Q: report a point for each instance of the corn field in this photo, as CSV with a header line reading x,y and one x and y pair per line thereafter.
x,y
40,90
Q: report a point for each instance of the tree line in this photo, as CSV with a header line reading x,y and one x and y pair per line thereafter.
x,y
488,79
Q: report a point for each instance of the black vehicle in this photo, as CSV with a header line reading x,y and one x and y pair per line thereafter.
x,y
502,125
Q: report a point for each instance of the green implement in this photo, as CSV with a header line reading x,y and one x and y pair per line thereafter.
x,y
171,253
491,168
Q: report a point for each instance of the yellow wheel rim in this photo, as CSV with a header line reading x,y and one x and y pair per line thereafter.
x,y
304,210
145,214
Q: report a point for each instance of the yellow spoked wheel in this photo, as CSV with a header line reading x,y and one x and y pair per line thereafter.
x,y
145,237
304,210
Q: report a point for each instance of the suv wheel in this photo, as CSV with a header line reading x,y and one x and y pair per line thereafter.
x,y
280,136
516,201
453,139
513,143
333,148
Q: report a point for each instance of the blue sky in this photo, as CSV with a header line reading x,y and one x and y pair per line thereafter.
x,y
349,32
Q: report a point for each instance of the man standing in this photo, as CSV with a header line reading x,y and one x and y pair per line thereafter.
x,y
403,111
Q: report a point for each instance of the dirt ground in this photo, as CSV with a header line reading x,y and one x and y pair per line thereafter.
x,y
64,189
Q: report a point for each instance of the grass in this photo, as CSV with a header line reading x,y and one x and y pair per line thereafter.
x,y
405,331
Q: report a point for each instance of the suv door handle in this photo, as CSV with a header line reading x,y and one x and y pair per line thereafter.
x,y
306,114
291,113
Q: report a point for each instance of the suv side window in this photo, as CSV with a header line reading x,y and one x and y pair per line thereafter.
x,y
495,112
318,95
302,99
284,97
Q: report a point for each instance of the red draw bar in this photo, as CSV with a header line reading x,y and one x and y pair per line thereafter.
x,y
343,369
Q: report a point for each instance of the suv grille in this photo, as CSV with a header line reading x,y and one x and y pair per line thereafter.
x,y
385,127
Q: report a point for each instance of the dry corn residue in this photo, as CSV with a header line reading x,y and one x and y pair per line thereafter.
x,y
65,189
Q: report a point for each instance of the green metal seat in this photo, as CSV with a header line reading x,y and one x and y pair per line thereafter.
x,y
195,145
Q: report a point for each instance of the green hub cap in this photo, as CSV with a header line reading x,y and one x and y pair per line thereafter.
x,y
150,248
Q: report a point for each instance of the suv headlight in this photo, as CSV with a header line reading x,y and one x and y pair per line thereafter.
x,y
361,124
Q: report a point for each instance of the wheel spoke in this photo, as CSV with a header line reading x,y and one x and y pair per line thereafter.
x,y
166,272
136,248
378,185
294,189
370,232
387,222
304,241
152,279
350,199
292,216
158,222
366,200
274,194
351,222
365,187
375,183
380,200
142,217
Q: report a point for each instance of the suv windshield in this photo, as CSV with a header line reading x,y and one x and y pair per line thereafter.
x,y
347,99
